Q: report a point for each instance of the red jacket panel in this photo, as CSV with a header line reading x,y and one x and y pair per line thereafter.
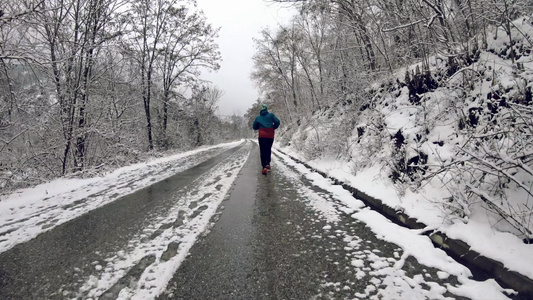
x,y
266,132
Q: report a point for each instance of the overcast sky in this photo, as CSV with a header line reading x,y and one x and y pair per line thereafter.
x,y
239,22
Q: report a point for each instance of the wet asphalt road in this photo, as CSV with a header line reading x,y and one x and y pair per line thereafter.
x,y
44,267
267,242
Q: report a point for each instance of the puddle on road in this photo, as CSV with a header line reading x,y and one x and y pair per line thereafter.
x,y
198,211
172,250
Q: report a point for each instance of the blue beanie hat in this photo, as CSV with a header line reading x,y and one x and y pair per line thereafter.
x,y
264,107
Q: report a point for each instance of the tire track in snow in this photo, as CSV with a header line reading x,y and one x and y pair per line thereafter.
x,y
143,269
26,221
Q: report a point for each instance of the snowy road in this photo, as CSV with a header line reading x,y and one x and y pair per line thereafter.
x,y
94,253
288,235
293,236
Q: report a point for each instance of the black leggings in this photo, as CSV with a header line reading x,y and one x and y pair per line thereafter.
x,y
265,148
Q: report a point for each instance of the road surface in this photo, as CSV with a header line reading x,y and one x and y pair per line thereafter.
x,y
271,243
220,230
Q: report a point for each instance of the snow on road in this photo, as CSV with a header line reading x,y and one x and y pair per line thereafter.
x,y
29,212
388,278
166,242
159,250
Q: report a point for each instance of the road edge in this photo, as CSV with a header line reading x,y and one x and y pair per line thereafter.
x,y
457,249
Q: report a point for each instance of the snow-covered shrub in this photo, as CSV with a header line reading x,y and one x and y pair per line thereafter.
x,y
370,140
461,122
419,82
314,144
407,167
494,167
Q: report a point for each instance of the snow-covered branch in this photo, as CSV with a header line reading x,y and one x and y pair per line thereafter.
x,y
401,26
518,224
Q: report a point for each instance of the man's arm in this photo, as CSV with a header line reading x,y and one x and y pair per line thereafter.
x,y
276,121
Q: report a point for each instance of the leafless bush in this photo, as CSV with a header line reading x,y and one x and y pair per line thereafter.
x,y
494,168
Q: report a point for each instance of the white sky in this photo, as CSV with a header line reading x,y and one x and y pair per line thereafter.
x,y
239,22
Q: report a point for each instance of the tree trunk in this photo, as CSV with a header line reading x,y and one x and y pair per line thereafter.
x,y
146,78
146,99
360,31
165,118
11,98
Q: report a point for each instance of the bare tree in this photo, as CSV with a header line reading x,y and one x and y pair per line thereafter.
x,y
189,46
174,39
70,88
74,31
202,125
147,21
276,65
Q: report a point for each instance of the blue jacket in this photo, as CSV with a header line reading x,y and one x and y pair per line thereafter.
x,y
266,123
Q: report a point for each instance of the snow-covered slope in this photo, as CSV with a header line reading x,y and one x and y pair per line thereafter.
x,y
450,145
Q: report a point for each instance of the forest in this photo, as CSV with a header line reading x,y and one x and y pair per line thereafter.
x,y
430,92
90,85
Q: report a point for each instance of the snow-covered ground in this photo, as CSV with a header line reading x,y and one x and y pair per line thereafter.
x,y
445,128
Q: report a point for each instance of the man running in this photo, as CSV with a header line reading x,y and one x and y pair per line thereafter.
x,y
266,123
